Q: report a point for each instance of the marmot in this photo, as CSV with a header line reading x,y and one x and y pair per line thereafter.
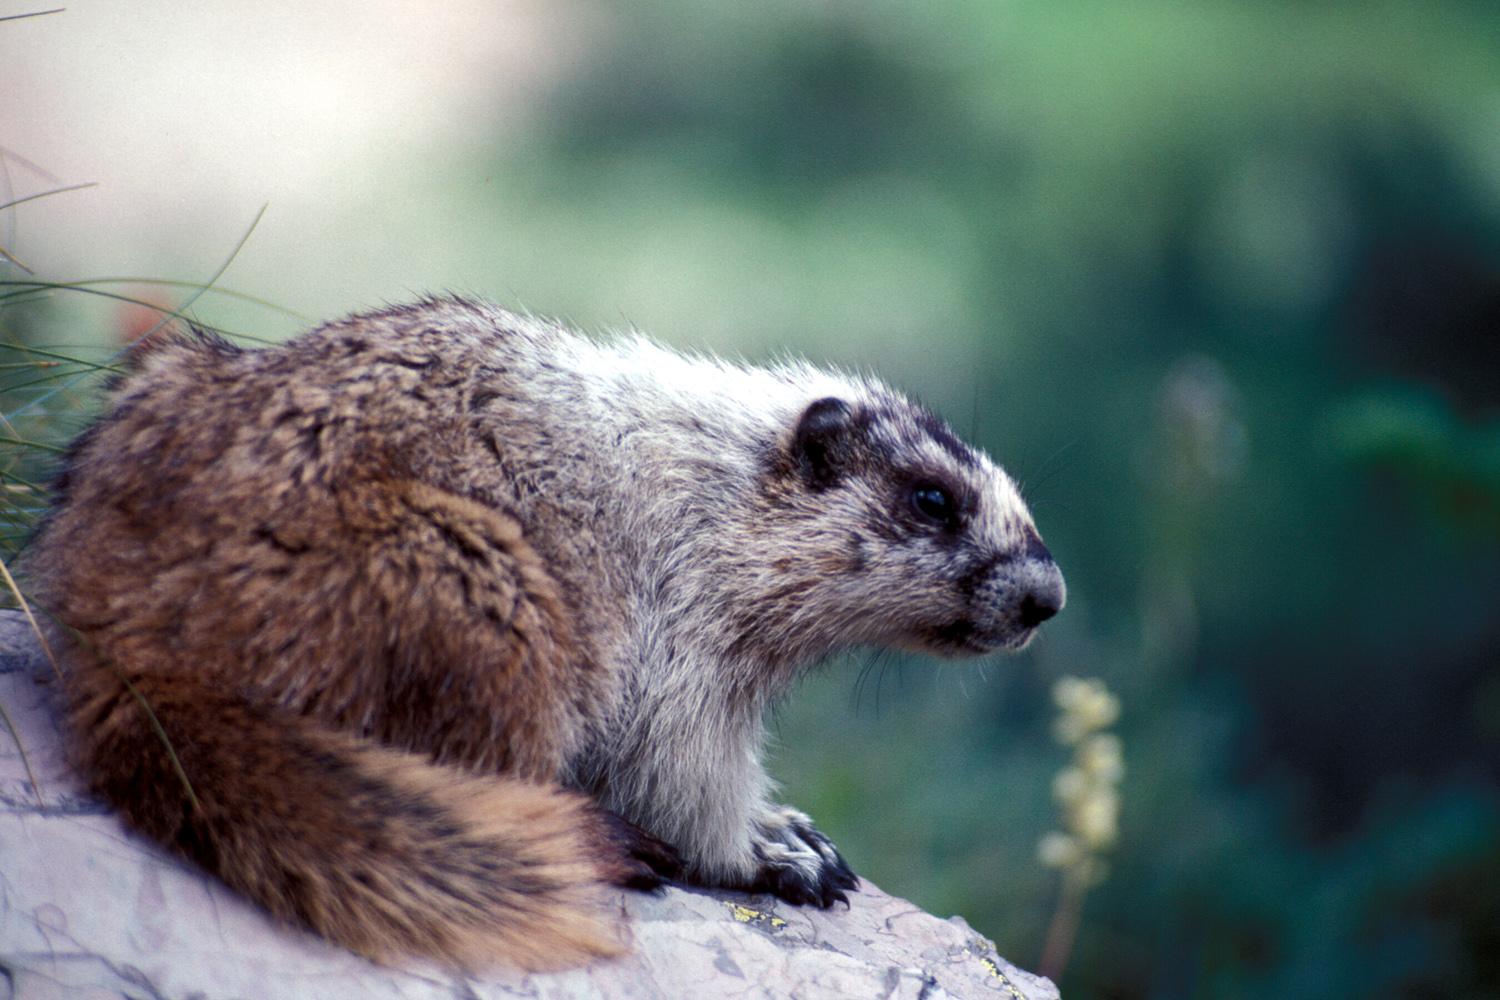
x,y
446,616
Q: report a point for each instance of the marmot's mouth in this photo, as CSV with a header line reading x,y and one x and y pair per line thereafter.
x,y
962,637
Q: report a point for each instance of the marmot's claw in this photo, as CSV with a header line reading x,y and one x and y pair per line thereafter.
x,y
799,864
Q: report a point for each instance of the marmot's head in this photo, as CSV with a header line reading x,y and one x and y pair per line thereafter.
x,y
883,528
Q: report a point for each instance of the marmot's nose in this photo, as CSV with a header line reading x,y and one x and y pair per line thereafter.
x,y
1047,593
1036,609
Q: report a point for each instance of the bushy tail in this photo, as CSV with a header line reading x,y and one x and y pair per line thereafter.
x,y
376,849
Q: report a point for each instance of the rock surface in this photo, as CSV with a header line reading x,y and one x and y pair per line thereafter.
x,y
88,910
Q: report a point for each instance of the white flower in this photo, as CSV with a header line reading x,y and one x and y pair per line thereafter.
x,y
1058,850
1102,758
1086,789
1095,818
1087,707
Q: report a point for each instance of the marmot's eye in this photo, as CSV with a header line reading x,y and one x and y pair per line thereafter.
x,y
935,503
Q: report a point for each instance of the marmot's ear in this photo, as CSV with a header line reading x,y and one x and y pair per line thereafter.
x,y
822,442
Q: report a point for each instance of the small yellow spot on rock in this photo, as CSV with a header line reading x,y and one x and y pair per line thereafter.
x,y
743,913
993,969
750,915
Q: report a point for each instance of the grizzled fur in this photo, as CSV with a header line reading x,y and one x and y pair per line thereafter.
x,y
450,616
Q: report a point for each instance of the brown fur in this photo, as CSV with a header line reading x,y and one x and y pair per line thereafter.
x,y
287,613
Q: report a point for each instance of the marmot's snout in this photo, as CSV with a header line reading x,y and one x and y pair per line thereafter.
x,y
1020,593
1047,593
1045,599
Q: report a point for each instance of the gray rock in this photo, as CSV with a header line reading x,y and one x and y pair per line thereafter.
x,y
89,910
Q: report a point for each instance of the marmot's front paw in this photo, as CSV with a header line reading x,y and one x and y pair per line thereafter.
x,y
798,863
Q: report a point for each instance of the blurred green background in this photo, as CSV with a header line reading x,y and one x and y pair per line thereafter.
x,y
1219,283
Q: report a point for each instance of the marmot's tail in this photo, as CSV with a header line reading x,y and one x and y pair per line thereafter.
x,y
375,849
